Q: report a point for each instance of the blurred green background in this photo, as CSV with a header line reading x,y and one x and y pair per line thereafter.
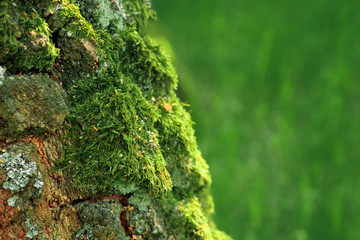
x,y
275,94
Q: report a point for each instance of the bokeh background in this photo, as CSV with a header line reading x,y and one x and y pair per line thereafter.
x,y
275,93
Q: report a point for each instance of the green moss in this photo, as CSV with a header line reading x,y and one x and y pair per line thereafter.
x,y
25,38
9,31
112,126
77,40
188,169
127,131
66,17
147,65
125,104
116,122
188,221
139,12
119,144
43,6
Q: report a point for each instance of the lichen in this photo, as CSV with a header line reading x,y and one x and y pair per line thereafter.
x,y
99,221
146,219
12,200
18,171
39,184
2,75
32,229
106,15
22,176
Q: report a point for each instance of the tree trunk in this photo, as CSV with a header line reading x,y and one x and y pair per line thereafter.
x,y
94,142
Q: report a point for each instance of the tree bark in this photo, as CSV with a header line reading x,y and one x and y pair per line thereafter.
x,y
94,143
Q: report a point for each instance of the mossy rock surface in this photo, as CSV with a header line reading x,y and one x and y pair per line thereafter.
x,y
31,104
100,220
82,83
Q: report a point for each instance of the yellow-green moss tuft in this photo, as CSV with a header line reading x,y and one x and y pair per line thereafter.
x,y
113,136
26,39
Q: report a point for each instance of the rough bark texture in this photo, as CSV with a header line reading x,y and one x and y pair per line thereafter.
x,y
94,143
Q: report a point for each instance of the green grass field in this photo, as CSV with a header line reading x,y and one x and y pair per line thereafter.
x,y
275,94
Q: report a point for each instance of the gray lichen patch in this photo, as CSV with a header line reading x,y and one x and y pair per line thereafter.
x,y
31,104
32,229
146,216
12,201
39,182
2,75
18,171
23,177
104,14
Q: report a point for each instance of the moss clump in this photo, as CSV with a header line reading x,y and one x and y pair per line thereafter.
x,y
188,169
140,13
114,119
127,132
188,221
25,39
147,65
113,136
